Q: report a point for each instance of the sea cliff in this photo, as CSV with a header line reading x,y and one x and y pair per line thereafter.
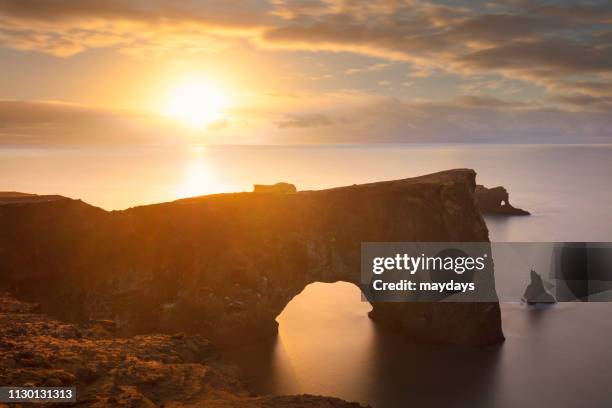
x,y
224,266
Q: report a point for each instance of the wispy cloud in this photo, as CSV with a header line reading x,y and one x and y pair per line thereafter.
x,y
305,121
344,117
369,68
53,123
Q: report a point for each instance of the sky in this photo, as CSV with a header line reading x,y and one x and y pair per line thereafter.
x,y
160,72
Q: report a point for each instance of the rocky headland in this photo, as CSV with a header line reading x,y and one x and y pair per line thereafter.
x,y
224,266
219,267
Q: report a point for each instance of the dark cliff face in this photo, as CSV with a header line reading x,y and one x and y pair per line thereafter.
x,y
226,265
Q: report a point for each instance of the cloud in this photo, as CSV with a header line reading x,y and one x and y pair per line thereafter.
x,y
466,119
600,103
129,38
519,40
369,68
144,29
49,114
237,15
592,13
53,123
530,40
353,117
480,42
305,121
593,88
343,117
545,58
562,49
489,102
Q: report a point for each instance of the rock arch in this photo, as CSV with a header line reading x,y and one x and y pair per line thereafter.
x,y
226,265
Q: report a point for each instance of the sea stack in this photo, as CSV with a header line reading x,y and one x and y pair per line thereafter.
x,y
495,201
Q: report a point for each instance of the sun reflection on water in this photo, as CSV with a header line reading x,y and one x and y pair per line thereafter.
x,y
200,176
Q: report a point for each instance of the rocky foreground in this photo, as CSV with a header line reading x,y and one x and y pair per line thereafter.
x,y
142,371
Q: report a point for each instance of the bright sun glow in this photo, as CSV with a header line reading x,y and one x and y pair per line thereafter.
x,y
197,103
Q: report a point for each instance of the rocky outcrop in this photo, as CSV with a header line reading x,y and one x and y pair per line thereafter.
x,y
225,265
274,188
495,201
536,292
142,371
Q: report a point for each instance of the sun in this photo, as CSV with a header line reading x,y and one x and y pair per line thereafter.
x,y
197,103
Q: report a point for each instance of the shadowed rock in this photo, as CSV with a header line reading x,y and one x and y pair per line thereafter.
x,y
495,201
226,265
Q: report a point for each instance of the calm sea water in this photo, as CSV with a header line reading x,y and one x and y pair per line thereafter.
x,y
326,344
555,357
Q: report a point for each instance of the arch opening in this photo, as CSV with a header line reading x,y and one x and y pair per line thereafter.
x,y
324,332
322,304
